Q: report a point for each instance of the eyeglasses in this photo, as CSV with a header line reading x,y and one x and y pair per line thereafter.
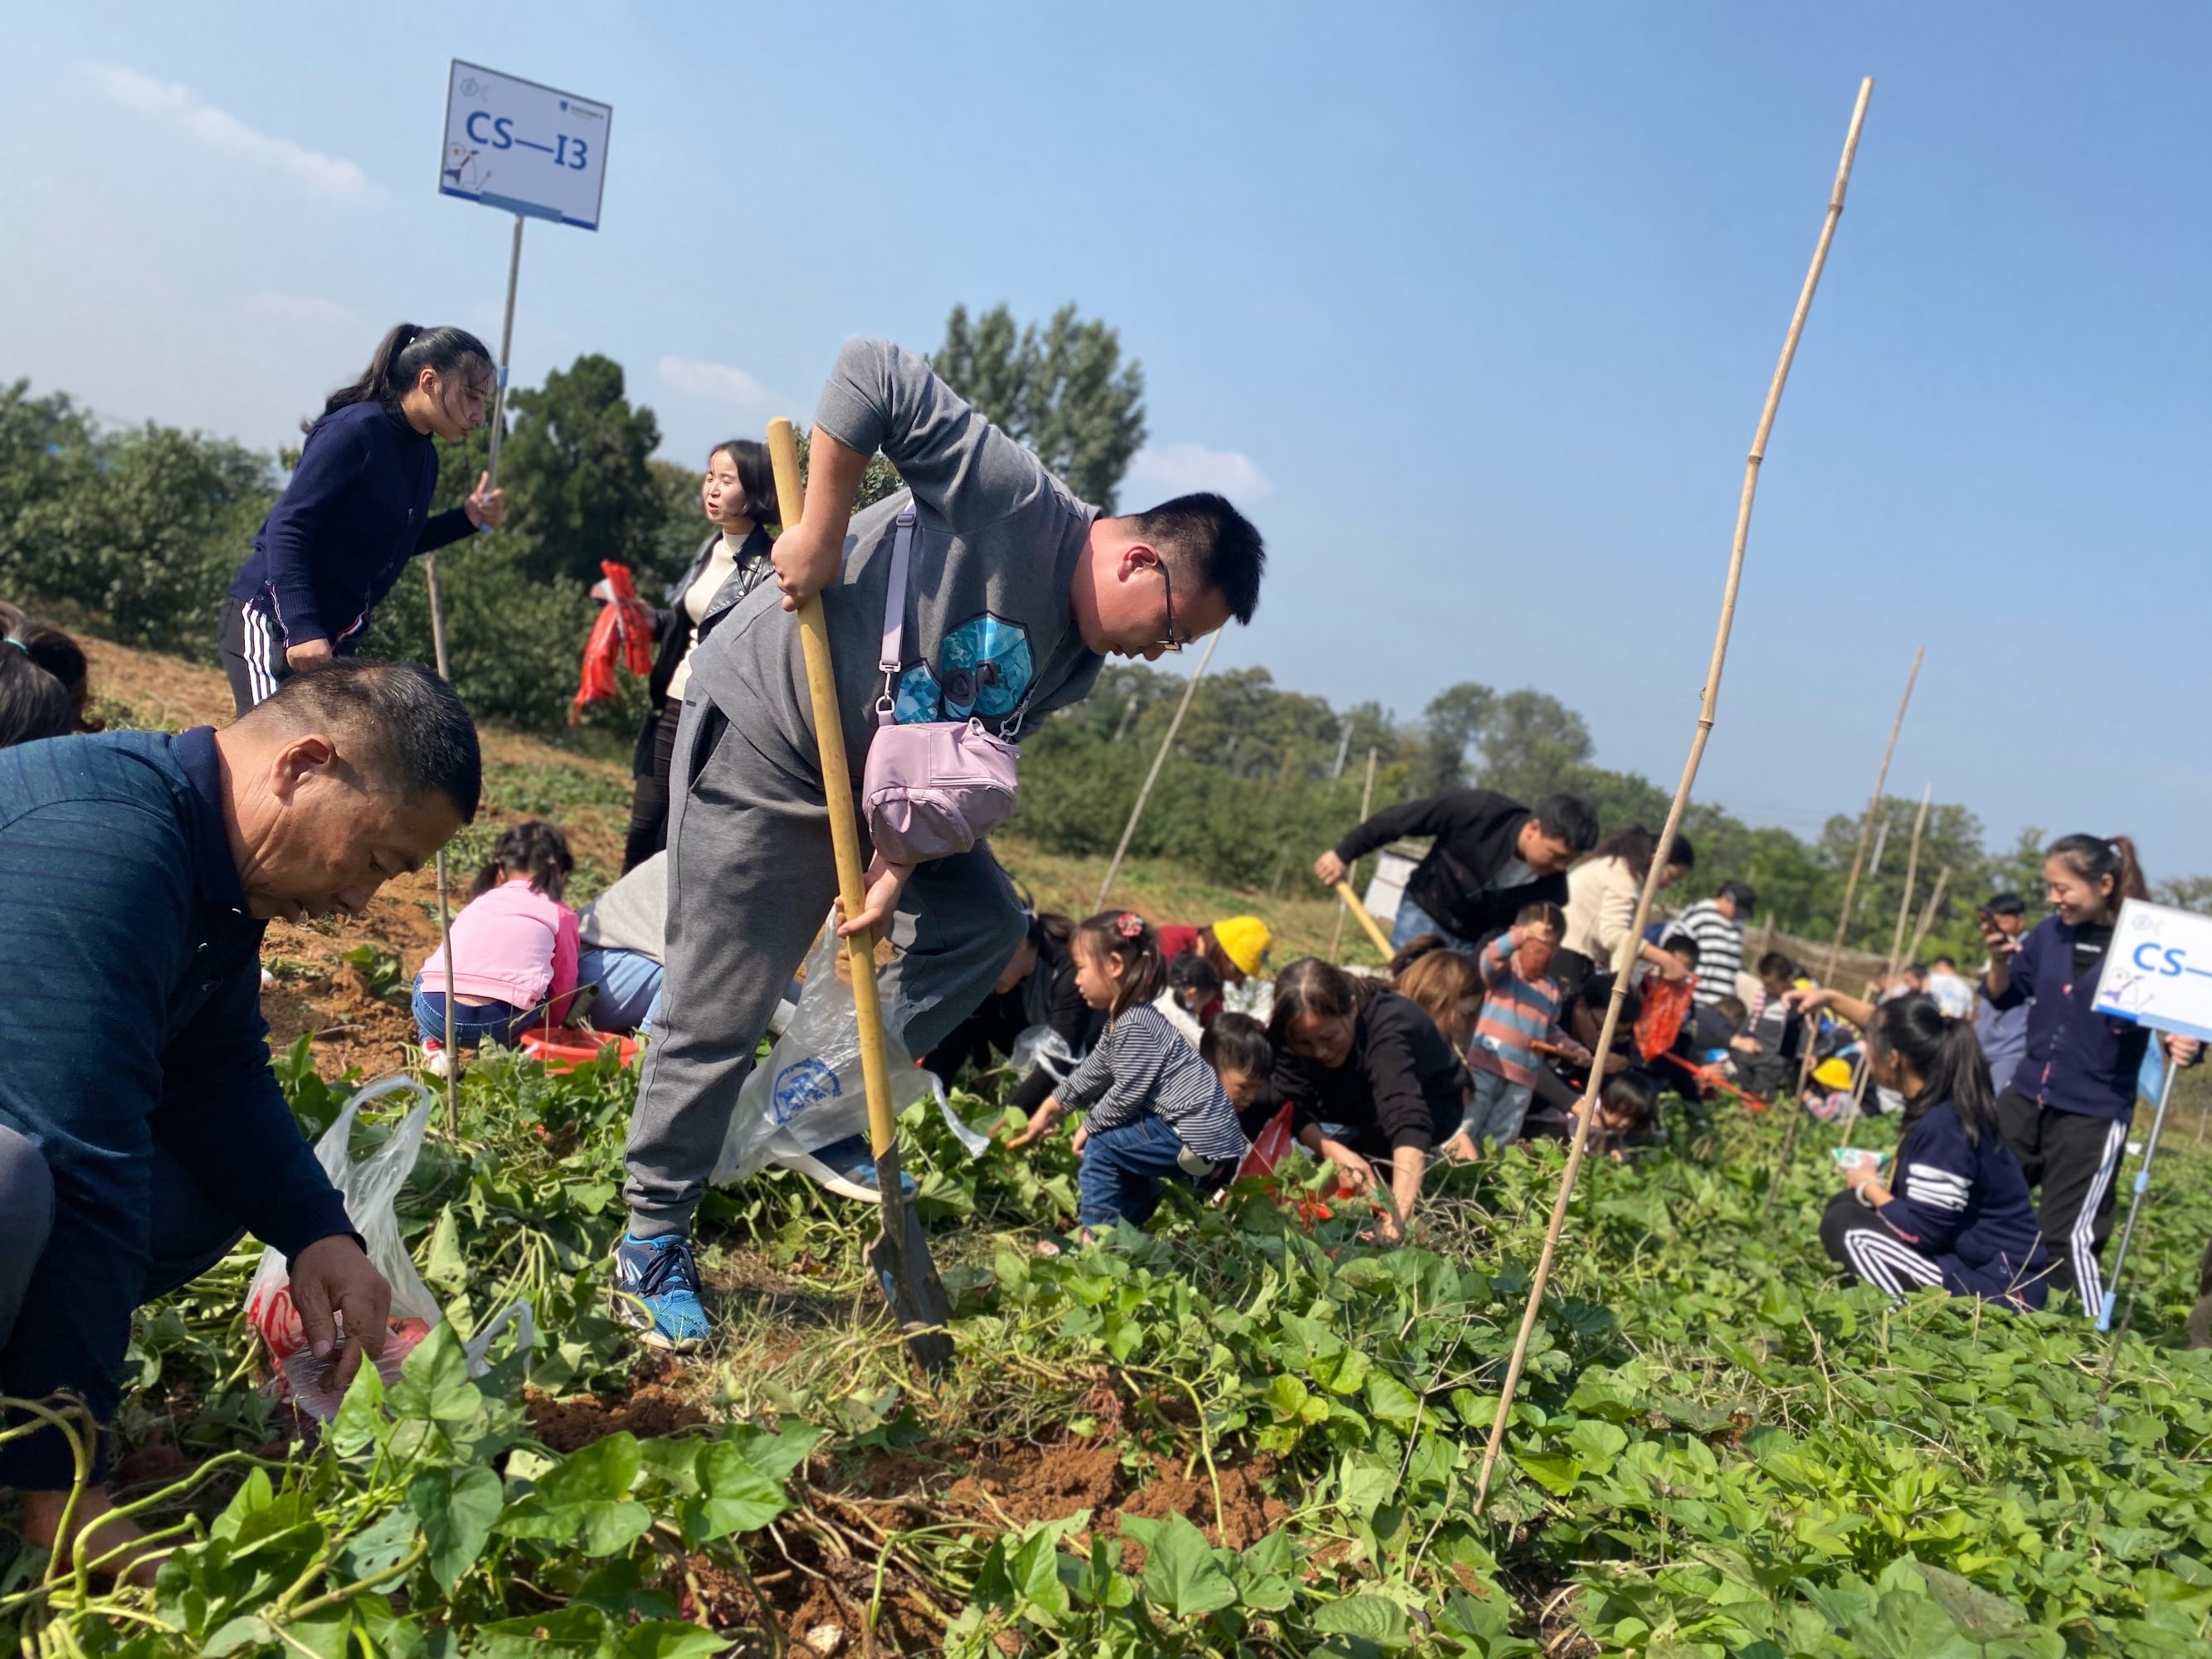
x,y
1170,644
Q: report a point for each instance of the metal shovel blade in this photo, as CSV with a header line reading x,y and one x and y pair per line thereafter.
x,y
901,1261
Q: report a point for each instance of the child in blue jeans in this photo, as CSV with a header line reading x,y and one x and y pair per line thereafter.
x,y
1157,1112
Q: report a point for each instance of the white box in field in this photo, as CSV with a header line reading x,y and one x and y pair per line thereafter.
x,y
1392,872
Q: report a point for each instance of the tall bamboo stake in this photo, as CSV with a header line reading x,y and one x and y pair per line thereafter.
x,y
1366,802
1843,923
1911,875
1927,914
1861,1070
1627,953
1153,776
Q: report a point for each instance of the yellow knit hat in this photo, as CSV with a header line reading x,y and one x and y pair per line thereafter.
x,y
1244,941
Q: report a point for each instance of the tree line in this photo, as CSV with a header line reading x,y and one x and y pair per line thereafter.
x,y
137,531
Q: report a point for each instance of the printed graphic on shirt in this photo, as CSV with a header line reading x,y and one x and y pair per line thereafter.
x,y
983,671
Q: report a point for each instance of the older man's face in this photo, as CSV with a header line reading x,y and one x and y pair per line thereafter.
x,y
327,841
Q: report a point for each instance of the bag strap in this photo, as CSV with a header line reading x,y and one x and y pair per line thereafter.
x,y
895,615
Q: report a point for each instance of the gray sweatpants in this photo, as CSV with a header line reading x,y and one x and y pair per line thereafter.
x,y
750,879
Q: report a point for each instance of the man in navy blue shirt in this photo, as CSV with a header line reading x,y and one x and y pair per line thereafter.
x,y
141,1131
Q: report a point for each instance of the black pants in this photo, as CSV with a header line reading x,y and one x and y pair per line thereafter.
x,y
2074,1160
648,801
252,652
186,1235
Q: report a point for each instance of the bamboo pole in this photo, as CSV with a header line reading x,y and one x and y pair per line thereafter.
x,y
1627,953
1153,776
1928,915
1911,875
1861,1070
1366,802
1843,924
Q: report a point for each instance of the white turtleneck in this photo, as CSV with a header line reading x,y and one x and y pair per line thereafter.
x,y
697,597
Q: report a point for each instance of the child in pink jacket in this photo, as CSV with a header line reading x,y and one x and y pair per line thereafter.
x,y
515,946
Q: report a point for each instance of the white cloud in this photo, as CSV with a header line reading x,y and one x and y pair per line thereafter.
x,y
226,134
728,388
1159,470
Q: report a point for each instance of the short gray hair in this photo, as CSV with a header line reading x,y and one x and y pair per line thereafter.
x,y
411,724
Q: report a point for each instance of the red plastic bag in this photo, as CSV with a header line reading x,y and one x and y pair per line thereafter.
x,y
1666,1006
1270,1146
622,637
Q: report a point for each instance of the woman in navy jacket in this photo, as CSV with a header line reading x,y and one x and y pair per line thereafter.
x,y
2066,1109
358,508
1955,1211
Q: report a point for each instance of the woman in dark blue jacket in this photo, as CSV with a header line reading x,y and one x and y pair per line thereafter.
x,y
1955,1209
358,508
2066,1109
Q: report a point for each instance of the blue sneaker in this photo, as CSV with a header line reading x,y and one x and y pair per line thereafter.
x,y
656,1292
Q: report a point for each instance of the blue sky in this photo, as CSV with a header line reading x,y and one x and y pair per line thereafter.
x,y
1472,306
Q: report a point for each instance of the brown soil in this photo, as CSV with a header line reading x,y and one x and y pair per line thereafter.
x,y
650,1408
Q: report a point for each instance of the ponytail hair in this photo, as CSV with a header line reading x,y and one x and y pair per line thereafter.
x,y
754,477
400,360
2093,858
33,704
1126,934
532,848
1948,1059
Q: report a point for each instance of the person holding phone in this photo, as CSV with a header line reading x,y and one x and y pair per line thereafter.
x,y
358,508
2067,1108
2003,1031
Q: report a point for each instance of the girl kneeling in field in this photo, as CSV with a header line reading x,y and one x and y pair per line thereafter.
x,y
515,946
1157,1110
1957,1213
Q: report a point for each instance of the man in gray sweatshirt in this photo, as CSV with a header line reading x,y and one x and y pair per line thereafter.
x,y
1016,594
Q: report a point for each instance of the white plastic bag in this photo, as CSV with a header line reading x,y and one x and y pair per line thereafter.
x,y
806,1108
371,1191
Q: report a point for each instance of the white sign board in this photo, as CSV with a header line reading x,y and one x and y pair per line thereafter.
x,y
524,148
2158,971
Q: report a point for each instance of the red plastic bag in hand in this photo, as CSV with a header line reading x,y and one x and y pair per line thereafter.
x,y
622,637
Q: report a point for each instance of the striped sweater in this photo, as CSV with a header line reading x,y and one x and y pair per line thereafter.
x,y
1516,1014
1720,949
1141,1068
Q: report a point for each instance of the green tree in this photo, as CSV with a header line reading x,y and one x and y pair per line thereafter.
x,y
1066,393
1531,741
1452,723
576,465
139,530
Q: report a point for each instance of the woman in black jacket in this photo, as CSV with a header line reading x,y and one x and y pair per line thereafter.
x,y
1369,1078
739,496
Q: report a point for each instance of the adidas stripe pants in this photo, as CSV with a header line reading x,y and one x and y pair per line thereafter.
x,y
252,652
2075,1161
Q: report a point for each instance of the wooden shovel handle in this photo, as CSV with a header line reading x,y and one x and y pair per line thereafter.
x,y
1351,903
837,790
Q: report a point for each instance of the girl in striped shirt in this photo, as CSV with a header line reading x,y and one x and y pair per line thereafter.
x,y
1157,1110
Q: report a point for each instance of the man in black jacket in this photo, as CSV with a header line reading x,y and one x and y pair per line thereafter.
x,y
1491,855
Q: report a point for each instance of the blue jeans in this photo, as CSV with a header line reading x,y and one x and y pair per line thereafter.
x,y
1495,1112
629,987
1413,921
1123,1171
472,1022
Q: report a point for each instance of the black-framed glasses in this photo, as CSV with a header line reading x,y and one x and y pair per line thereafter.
x,y
1167,585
